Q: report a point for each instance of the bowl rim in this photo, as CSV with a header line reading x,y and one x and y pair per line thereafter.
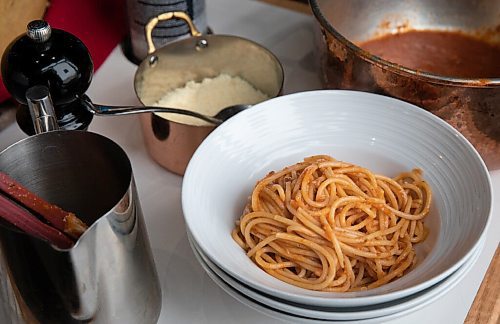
x,y
379,310
336,299
396,68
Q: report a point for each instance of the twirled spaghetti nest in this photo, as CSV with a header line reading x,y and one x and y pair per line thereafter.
x,y
327,225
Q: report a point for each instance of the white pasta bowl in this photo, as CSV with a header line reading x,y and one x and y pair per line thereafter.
x,y
386,135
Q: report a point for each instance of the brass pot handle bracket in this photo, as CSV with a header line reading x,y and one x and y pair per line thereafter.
x,y
167,16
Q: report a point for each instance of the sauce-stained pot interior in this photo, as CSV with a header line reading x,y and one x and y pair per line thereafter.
x,y
440,55
439,52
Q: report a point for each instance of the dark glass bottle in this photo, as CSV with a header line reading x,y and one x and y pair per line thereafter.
x,y
56,59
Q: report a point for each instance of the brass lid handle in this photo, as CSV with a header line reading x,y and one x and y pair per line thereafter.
x,y
167,16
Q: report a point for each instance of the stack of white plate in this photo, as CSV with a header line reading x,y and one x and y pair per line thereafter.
x,y
385,135
289,310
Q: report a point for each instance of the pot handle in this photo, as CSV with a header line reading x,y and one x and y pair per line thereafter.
x,y
167,16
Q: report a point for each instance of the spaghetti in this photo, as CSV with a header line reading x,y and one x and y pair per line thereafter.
x,y
327,225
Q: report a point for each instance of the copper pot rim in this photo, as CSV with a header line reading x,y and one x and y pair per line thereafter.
x,y
399,69
145,63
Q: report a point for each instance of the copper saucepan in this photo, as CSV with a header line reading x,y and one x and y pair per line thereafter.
x,y
472,106
171,143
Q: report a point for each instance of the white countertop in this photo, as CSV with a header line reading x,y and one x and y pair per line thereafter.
x,y
189,295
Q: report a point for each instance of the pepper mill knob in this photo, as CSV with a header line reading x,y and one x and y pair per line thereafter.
x,y
39,31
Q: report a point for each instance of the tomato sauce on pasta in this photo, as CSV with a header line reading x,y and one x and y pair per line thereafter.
x,y
328,225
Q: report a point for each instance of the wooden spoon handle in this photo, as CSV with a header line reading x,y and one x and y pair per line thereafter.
x,y
60,219
28,223
486,306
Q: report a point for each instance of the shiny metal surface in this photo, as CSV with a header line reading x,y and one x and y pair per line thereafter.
x,y
41,109
39,31
106,110
164,17
139,12
109,275
172,144
183,61
469,105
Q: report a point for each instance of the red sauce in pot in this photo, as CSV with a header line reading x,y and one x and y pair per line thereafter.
x,y
440,52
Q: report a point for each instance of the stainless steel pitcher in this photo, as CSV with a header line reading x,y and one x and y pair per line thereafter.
x,y
109,275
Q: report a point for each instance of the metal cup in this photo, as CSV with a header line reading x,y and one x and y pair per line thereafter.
x,y
109,275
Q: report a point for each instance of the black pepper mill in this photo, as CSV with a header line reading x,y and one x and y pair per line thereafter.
x,y
55,59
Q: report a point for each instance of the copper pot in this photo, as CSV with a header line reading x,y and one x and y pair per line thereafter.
x,y
472,106
171,144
